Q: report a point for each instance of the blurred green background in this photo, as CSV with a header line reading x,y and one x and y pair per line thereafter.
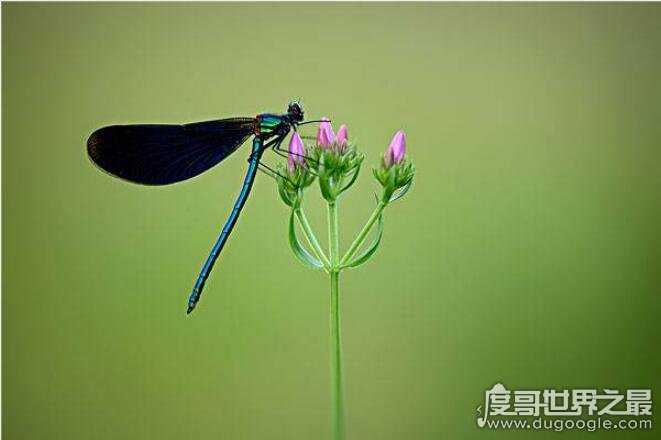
x,y
527,251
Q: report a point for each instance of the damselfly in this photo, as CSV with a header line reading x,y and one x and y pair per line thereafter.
x,y
165,154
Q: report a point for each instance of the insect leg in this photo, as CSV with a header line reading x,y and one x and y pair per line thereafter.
x,y
265,171
284,153
271,172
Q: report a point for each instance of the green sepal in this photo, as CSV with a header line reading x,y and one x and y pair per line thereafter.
x,y
284,195
326,191
354,176
371,249
299,251
400,192
337,168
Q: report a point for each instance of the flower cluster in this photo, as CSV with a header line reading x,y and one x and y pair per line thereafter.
x,y
336,162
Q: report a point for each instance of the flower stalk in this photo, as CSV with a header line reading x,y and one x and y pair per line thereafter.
x,y
335,162
362,235
311,238
337,398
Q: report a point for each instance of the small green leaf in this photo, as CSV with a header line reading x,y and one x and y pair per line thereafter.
x,y
372,248
325,186
354,176
300,252
284,195
400,192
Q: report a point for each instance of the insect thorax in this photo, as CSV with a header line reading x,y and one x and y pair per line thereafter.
x,y
271,125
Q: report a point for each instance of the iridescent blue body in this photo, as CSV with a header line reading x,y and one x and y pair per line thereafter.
x,y
267,126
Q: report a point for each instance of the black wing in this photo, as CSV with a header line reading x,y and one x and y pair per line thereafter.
x,y
164,154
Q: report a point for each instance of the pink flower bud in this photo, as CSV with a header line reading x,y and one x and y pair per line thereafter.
x,y
396,150
342,137
325,135
296,152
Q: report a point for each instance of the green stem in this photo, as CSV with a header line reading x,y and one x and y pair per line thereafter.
x,y
362,235
333,240
337,410
312,239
